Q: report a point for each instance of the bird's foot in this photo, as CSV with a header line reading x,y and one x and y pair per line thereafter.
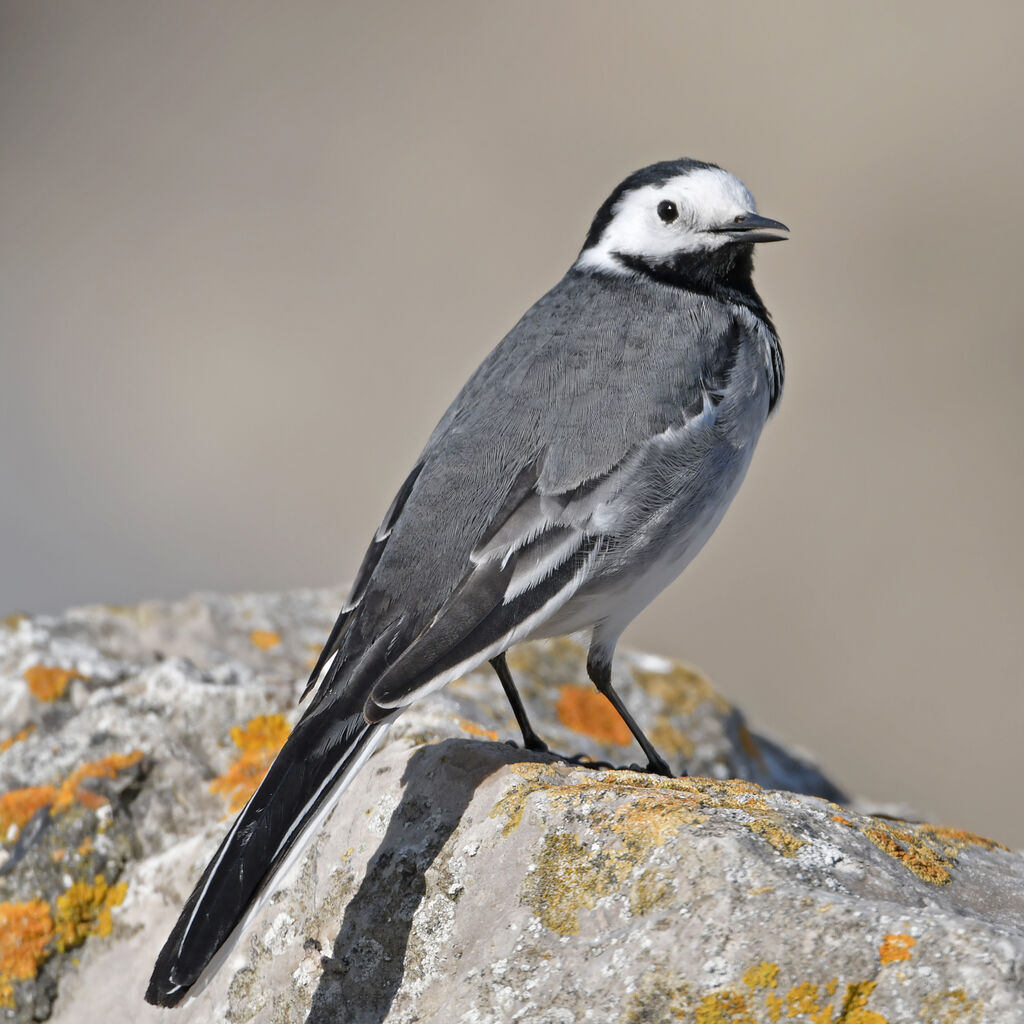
x,y
585,761
580,760
534,743
656,767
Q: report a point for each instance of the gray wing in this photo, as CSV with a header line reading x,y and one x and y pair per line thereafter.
x,y
536,478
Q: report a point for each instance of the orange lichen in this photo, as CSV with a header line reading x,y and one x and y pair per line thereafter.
x,y
86,846
956,839
84,910
21,734
896,947
72,791
58,855
48,682
476,730
586,711
259,741
25,930
916,855
18,806
264,639
749,744
929,851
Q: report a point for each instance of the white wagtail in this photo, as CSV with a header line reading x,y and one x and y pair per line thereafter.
x,y
575,475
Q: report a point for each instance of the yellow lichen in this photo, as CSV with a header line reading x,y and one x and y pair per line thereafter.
x,y
84,910
570,876
25,931
565,881
895,948
951,1008
762,975
773,1006
803,999
806,1001
584,710
511,806
476,730
726,1007
660,810
682,689
259,741
19,805
649,891
650,814
264,639
669,739
649,819
21,734
854,1009
48,682
548,659
772,833
659,996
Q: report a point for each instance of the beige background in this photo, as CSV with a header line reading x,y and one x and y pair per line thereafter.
x,y
251,250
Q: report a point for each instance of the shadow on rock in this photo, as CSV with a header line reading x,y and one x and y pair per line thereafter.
x,y
375,951
369,959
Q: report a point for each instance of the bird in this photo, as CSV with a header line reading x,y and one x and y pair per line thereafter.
x,y
579,470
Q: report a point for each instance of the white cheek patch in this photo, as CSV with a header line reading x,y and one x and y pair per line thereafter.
x,y
706,198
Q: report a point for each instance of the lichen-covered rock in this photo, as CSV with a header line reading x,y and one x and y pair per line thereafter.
x,y
462,880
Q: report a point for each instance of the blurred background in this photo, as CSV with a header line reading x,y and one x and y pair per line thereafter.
x,y
249,252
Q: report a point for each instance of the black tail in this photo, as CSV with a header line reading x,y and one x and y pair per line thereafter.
x,y
321,756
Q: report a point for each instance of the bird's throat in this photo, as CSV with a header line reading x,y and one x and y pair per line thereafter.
x,y
725,274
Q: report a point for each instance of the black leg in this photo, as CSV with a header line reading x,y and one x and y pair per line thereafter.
x,y
600,672
531,741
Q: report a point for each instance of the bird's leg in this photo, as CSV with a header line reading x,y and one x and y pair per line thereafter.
x,y
531,741
599,668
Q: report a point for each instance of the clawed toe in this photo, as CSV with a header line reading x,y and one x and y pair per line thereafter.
x,y
586,761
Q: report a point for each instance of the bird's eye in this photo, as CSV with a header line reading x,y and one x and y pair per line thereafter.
x,y
667,211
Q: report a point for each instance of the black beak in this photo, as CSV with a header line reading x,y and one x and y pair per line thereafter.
x,y
752,227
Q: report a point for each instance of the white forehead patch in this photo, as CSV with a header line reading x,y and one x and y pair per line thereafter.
x,y
706,198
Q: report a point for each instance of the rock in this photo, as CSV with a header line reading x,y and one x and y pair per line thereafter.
x,y
460,879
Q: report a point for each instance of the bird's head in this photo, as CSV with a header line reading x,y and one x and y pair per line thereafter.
x,y
678,219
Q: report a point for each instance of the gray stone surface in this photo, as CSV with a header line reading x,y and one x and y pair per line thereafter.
x,y
462,880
